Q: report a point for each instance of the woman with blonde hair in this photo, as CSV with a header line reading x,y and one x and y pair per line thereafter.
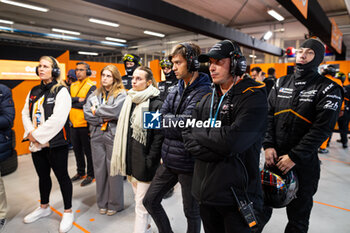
x,y
102,112
44,117
136,151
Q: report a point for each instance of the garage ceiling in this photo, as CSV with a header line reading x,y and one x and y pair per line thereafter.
x,y
249,16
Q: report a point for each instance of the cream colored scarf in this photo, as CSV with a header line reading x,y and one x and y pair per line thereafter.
x,y
141,99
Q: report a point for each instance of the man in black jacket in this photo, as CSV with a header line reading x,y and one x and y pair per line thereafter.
x,y
170,78
7,116
227,153
303,109
270,80
131,62
177,162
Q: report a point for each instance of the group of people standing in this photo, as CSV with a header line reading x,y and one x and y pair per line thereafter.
x,y
217,167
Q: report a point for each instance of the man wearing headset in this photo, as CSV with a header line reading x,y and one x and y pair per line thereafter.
x,y
131,62
226,175
177,163
80,91
170,78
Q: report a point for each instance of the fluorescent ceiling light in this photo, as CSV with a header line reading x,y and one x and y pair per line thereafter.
x,y
6,28
275,15
99,21
154,33
65,31
87,53
252,56
267,35
115,39
32,7
6,21
63,36
113,43
279,30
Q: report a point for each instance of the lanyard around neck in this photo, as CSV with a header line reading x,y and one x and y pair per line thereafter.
x,y
213,121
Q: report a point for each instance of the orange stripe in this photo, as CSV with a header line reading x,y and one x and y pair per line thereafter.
x,y
346,99
250,88
295,113
74,223
334,160
300,116
64,133
337,207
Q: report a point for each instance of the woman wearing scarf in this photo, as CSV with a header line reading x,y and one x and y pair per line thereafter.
x,y
136,151
102,112
44,117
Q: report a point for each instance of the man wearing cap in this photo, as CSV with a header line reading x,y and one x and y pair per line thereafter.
x,y
226,172
131,62
303,109
71,77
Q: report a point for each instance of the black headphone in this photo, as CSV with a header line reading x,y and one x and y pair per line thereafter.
x,y
56,71
191,57
87,66
238,61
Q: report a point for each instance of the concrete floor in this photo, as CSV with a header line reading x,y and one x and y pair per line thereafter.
x,y
331,211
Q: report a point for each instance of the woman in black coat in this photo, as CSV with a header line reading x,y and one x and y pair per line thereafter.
x,y
136,151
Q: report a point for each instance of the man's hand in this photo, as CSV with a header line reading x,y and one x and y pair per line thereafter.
x,y
191,145
270,156
81,99
285,164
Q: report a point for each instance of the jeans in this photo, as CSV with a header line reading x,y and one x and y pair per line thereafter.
x,y
164,179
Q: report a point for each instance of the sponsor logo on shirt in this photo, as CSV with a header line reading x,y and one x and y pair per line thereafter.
x,y
327,88
286,90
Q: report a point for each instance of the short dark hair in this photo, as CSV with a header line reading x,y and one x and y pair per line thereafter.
x,y
181,49
87,66
257,69
271,71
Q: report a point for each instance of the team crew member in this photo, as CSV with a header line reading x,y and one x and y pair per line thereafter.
x,y
303,109
343,120
7,116
227,157
71,77
270,80
102,112
170,78
329,71
131,62
177,163
80,92
44,117
165,87
136,150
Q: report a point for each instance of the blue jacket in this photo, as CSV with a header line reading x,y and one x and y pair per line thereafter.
x,y
7,115
181,102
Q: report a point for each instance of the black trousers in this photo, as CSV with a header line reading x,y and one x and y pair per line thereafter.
x,y
163,181
223,219
298,210
81,145
57,159
343,123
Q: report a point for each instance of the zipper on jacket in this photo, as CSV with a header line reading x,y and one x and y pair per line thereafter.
x,y
202,183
